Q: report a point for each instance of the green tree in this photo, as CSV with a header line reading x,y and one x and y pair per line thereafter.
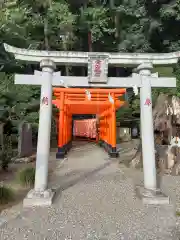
x,y
115,25
16,101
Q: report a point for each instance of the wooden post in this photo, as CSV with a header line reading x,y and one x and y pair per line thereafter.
x,y
59,128
110,127
60,153
68,124
113,126
65,128
106,128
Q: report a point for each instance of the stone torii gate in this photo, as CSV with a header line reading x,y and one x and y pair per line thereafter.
x,y
97,77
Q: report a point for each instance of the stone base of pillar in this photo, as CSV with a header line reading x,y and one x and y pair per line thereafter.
x,y
68,146
36,198
152,197
62,151
112,151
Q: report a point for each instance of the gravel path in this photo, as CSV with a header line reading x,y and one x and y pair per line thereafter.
x,y
95,200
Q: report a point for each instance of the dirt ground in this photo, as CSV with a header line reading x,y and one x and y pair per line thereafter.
x,y
9,179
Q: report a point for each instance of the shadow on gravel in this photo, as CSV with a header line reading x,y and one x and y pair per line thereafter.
x,y
76,180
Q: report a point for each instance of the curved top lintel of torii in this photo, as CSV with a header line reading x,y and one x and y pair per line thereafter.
x,y
81,58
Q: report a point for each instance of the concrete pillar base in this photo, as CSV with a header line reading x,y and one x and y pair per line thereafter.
x,y
112,151
36,198
68,146
62,151
152,197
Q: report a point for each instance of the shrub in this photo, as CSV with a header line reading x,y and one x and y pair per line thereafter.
x,y
26,177
100,143
118,140
6,195
5,160
177,214
7,152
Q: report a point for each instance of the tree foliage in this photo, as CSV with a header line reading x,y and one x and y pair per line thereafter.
x,y
16,101
114,25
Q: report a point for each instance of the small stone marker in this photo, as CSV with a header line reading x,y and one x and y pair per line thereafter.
x,y
25,146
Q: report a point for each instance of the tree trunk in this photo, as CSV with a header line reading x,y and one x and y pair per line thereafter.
x,y
67,70
46,40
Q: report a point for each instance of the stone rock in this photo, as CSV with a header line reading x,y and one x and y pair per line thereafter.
x,y
24,159
171,157
167,159
137,159
124,134
25,146
176,168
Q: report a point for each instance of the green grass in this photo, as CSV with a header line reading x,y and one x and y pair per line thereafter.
x,y
6,195
177,214
26,177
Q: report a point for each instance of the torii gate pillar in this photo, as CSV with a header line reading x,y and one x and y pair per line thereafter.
x,y
41,195
149,193
147,131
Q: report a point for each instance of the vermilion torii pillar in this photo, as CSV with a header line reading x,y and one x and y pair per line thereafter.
x,y
144,80
93,101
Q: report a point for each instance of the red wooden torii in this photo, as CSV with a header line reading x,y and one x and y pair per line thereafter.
x,y
71,101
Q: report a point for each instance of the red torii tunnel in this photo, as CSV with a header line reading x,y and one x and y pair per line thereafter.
x,y
72,101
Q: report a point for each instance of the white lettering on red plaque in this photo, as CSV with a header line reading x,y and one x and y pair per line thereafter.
x,y
147,102
97,68
45,100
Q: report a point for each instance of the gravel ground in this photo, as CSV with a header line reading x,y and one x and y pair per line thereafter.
x,y
95,200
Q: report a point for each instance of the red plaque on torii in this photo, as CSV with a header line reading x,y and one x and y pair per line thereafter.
x,y
98,68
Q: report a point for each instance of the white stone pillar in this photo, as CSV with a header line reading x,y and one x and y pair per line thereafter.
x,y
45,115
147,130
149,194
40,195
